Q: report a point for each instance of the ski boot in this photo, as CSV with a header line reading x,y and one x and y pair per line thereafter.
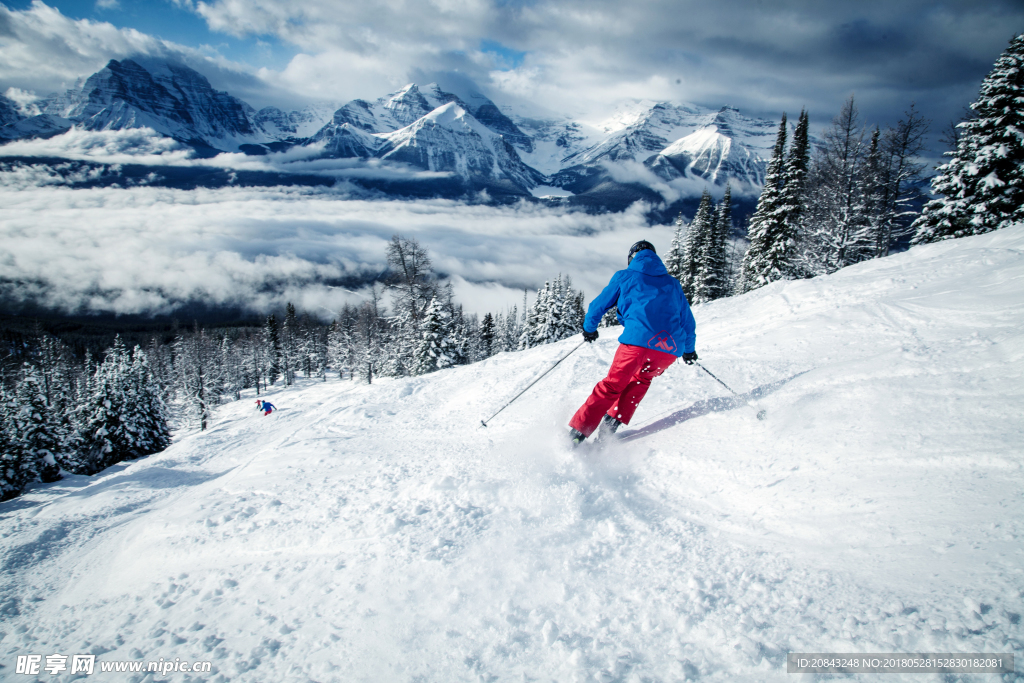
x,y
576,437
609,425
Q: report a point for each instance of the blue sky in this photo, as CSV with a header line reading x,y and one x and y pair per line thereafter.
x,y
163,19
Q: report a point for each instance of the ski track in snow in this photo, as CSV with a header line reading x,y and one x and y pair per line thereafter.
x,y
379,533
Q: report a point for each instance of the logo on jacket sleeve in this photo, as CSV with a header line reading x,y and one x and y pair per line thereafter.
x,y
664,341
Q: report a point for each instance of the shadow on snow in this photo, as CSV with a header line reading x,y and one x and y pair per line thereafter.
x,y
710,405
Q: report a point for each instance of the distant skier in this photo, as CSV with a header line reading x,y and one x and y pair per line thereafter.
x,y
265,406
659,328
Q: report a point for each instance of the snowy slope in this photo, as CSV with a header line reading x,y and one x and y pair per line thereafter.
x,y
378,533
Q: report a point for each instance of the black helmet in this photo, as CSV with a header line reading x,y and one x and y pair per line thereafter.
x,y
639,246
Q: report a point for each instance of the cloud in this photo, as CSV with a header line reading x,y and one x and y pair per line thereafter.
x,y
148,249
146,147
581,56
578,57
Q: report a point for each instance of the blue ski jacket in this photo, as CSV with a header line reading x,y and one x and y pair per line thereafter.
x,y
652,307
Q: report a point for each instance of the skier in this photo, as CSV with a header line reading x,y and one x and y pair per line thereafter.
x,y
659,328
265,406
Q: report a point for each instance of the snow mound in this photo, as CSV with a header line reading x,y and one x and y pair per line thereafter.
x,y
368,533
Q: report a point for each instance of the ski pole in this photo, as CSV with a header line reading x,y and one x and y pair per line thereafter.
x,y
484,422
761,414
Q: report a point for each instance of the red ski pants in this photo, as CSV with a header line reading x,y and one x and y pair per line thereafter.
x,y
621,391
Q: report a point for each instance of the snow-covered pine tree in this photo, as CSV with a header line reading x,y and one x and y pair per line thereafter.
x,y
510,330
772,251
272,340
455,328
289,345
144,415
17,467
105,440
197,376
712,278
338,346
793,196
434,352
487,335
550,325
36,428
471,332
982,185
397,347
876,199
698,237
535,320
676,257
610,318
575,312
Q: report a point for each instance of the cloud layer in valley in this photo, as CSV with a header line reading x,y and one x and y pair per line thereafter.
x,y
148,250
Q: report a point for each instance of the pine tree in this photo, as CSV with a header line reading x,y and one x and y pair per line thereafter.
x,y
105,439
290,345
712,274
487,336
793,198
982,185
144,416
676,257
272,339
36,428
698,237
17,466
535,320
772,251
434,351
610,317
550,325
511,330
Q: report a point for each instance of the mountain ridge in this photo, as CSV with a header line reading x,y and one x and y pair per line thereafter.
x,y
674,142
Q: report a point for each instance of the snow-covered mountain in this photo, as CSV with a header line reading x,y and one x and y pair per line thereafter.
x,y
679,141
379,533
449,139
294,125
9,112
411,103
169,98
467,136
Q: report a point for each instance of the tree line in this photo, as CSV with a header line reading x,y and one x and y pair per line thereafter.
x,y
853,196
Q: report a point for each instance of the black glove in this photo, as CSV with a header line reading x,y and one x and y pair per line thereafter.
x,y
690,357
589,336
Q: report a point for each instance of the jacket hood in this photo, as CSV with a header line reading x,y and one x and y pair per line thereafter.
x,y
648,263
